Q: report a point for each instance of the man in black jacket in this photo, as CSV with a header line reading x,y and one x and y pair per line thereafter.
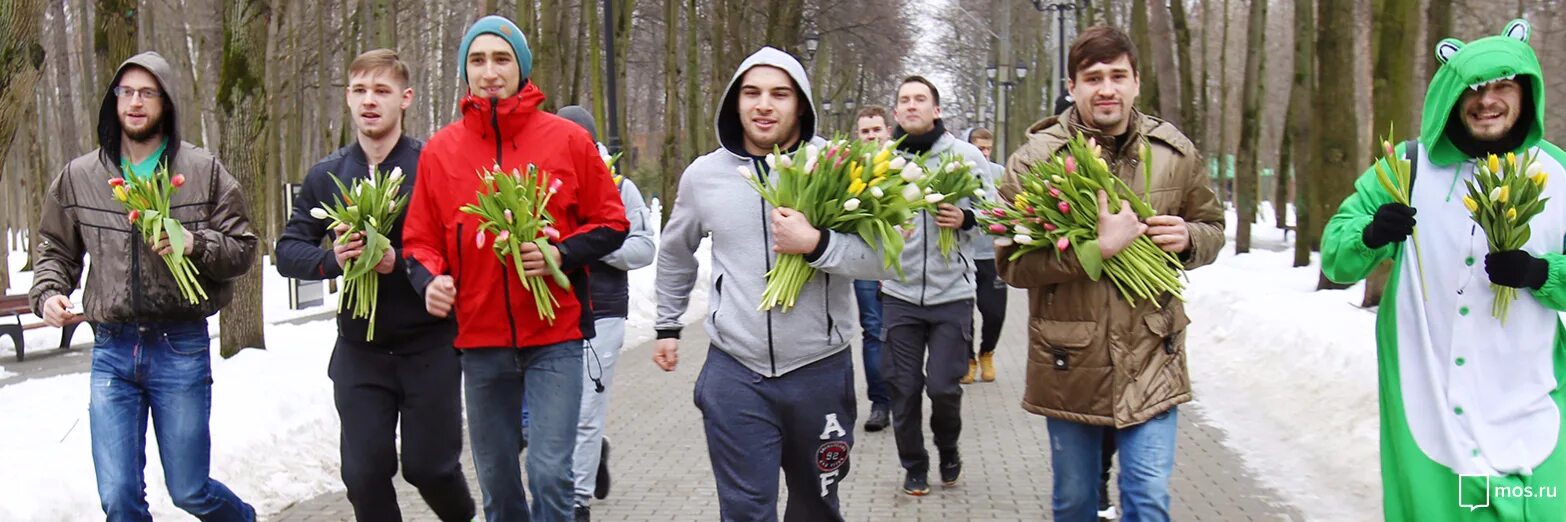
x,y
410,369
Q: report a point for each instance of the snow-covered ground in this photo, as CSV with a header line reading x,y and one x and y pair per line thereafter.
x,y
274,426
1289,374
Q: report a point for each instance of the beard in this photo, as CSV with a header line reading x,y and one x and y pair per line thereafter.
x,y
153,129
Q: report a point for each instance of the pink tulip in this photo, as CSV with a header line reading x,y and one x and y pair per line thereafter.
x,y
998,228
998,212
1065,208
133,215
1062,244
1050,227
116,182
554,185
1071,165
552,233
510,218
503,236
178,180
1054,192
1032,210
479,240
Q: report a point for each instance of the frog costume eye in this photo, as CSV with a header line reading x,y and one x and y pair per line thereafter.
x,y
1448,48
1518,30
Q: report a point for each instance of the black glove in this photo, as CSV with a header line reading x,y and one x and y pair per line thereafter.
x,y
1393,223
1517,269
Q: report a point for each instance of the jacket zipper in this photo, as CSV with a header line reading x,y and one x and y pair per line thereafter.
x,y
924,243
505,279
135,275
456,282
766,238
826,298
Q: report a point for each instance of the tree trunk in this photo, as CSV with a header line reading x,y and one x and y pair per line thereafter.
x,y
784,22
1300,141
21,64
1438,25
114,34
1170,84
1335,159
1148,103
1222,145
1393,98
595,59
1249,171
1189,110
242,102
671,107
694,120
385,29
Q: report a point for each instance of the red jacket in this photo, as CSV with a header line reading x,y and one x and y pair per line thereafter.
x,y
493,308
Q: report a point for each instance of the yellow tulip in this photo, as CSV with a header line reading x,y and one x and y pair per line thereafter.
x,y
1506,194
1469,202
1511,214
877,180
1494,163
858,171
1511,159
119,194
1019,202
880,168
882,157
1495,193
1540,178
856,187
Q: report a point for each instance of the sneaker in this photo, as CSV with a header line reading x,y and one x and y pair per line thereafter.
x,y
601,487
951,470
1108,514
583,514
916,484
879,418
973,367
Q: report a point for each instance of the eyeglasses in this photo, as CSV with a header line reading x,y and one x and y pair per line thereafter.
x,y
146,94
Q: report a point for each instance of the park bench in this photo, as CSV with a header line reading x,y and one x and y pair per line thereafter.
x,y
16,306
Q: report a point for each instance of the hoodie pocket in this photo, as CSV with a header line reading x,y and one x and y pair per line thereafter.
x,y
717,305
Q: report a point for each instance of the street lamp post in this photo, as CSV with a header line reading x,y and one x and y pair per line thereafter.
x,y
826,109
612,105
1059,8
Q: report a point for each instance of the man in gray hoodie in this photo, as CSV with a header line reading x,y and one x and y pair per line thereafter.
x,y
931,308
777,389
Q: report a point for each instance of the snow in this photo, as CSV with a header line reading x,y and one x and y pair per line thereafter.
x,y
1289,374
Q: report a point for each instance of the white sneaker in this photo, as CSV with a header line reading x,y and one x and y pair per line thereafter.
x,y
1109,514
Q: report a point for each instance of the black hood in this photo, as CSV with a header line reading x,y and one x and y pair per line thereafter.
x,y
109,129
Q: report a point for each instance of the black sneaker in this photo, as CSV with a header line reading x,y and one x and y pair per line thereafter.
x,y
601,486
951,470
879,418
583,514
916,484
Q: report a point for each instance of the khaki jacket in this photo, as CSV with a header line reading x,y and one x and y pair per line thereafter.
x,y
1092,357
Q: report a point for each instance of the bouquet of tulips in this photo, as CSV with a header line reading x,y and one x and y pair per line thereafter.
x,y
1395,175
368,208
612,161
952,180
146,201
1502,198
851,187
1057,208
514,208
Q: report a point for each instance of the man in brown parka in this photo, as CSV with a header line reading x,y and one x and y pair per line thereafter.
x,y
1097,364
150,355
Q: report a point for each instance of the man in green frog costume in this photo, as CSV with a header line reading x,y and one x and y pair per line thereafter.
x,y
1471,408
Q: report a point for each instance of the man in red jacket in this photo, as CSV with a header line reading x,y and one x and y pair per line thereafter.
x,y
507,350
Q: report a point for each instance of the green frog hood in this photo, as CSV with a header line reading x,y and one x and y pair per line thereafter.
x,y
1471,66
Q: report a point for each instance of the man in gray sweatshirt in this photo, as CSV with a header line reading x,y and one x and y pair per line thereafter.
x,y
931,309
777,390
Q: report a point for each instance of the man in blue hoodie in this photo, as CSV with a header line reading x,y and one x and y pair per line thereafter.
x,y
930,310
777,390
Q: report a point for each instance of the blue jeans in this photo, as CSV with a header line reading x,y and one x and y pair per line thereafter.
x,y
164,369
868,293
495,381
1147,454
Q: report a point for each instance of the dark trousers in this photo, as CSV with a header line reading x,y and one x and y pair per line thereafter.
x,y
802,422
423,389
945,332
868,295
991,301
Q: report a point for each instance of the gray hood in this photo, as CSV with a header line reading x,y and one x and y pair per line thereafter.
x,y
731,135
108,114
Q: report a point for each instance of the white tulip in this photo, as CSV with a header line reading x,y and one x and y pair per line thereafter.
x,y
772,161
913,173
877,192
396,175
319,213
897,163
851,205
1024,239
953,166
812,152
1021,229
911,193
934,198
978,193
1004,242
745,171
785,161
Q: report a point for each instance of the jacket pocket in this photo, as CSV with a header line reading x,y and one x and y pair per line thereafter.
x,y
717,305
1061,341
1169,326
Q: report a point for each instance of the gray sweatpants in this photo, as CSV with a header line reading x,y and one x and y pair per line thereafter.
x,y
802,422
945,332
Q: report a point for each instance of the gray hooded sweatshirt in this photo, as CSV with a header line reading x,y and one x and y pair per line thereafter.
x,y
715,201
928,277
983,245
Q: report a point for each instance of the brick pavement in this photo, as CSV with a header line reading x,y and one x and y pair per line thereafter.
x,y
661,472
